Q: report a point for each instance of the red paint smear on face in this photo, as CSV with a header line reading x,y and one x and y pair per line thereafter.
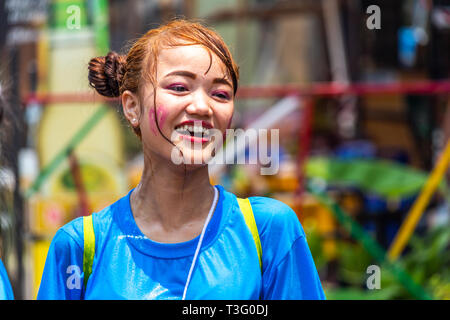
x,y
161,113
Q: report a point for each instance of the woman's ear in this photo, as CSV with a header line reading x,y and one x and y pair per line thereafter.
x,y
131,108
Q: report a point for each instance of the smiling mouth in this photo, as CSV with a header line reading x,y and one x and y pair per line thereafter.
x,y
194,130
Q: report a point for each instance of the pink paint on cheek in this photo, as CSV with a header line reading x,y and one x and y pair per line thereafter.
x,y
162,116
161,113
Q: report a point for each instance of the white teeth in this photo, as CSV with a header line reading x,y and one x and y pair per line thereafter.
x,y
194,129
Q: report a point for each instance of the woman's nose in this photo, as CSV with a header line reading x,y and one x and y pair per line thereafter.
x,y
200,105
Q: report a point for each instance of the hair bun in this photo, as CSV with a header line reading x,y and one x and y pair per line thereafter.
x,y
106,73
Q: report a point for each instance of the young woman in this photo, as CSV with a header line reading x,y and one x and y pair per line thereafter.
x,y
175,236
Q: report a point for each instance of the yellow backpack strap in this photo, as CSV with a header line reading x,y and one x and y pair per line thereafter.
x,y
246,208
89,247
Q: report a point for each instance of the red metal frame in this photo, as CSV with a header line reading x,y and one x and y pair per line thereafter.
x,y
316,89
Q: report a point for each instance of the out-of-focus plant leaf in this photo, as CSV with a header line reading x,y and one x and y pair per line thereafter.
x,y
353,262
315,243
381,177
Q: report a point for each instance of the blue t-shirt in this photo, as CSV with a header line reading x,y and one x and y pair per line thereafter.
x,y
6,292
128,265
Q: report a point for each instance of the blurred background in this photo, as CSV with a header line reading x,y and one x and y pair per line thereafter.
x,y
358,90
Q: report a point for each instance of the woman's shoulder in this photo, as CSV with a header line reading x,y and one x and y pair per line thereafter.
x,y
278,226
272,215
271,207
73,231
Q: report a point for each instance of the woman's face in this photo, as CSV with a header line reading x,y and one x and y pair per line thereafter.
x,y
194,106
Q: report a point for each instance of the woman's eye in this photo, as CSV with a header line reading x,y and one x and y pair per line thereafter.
x,y
222,95
178,88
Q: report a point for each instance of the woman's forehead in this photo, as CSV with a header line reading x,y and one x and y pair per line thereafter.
x,y
194,58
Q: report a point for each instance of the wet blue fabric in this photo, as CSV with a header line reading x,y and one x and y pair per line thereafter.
x,y
128,265
6,292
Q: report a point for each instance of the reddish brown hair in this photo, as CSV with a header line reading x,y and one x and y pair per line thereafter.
x,y
113,74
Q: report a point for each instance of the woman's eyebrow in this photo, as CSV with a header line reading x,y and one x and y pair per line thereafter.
x,y
181,73
191,75
222,81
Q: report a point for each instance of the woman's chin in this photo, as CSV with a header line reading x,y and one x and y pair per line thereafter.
x,y
192,157
194,162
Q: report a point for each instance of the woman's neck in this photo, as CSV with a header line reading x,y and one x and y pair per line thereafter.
x,y
171,202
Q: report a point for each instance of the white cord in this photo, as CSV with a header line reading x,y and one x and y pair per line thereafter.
x,y
200,243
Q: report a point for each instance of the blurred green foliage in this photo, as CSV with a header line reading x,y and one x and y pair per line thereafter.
x,y
315,241
427,261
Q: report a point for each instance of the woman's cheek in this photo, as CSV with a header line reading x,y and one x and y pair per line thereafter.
x,y
228,127
229,121
161,114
